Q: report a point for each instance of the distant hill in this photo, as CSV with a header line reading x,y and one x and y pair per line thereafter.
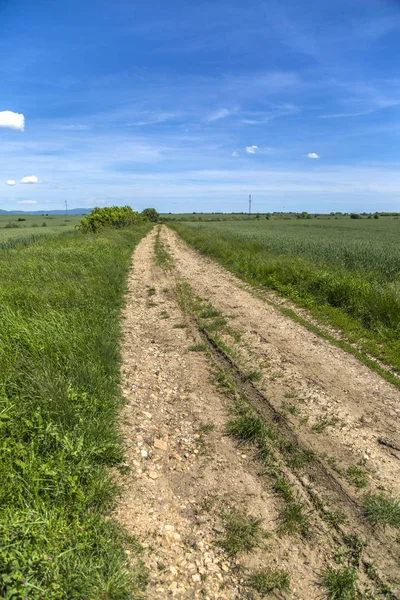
x,y
72,211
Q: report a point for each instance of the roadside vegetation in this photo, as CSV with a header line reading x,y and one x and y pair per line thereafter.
x,y
345,271
60,302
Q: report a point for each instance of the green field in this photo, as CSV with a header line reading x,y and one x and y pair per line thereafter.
x,y
18,230
60,302
345,271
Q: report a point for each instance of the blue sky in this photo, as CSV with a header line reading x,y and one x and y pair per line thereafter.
x,y
191,106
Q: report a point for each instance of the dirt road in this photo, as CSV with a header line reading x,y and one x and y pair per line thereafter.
x,y
192,486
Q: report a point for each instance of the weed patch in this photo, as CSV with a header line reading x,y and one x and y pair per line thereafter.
x,y
382,510
340,584
269,580
242,533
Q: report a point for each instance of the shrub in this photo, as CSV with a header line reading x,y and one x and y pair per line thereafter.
x,y
21,219
150,214
11,225
110,216
355,216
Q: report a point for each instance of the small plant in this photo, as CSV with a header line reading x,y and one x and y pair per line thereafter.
x,y
292,408
215,324
253,375
283,488
210,313
324,422
242,533
164,314
340,584
292,519
206,428
352,551
267,580
151,291
197,348
356,476
44,224
179,326
382,510
246,428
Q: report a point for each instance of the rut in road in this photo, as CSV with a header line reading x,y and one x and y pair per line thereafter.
x,y
189,480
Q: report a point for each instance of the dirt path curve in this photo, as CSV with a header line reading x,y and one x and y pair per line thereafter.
x,y
185,473
327,385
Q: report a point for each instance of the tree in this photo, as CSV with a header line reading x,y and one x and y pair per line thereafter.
x,y
150,214
110,216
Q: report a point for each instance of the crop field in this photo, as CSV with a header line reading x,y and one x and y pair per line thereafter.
x,y
347,272
24,229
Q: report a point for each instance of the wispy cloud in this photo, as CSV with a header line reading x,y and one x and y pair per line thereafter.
x,y
27,202
251,149
153,118
12,120
223,113
235,154
10,182
73,127
30,179
313,155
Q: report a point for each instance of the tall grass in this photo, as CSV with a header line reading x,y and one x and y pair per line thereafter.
x,y
347,272
60,302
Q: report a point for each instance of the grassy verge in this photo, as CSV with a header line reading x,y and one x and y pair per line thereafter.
x,y
364,308
60,302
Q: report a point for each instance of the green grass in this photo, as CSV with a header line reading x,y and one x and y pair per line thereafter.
x,y
254,375
197,348
345,272
268,580
340,584
382,510
60,302
357,476
292,519
242,533
163,258
323,422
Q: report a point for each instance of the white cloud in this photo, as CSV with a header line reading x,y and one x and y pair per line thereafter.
x,y
10,182
12,120
30,179
251,149
312,155
220,114
27,202
235,153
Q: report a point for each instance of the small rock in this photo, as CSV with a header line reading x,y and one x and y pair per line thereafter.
x,y
144,453
153,474
161,444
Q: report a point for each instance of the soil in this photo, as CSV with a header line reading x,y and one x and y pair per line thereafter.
x,y
186,474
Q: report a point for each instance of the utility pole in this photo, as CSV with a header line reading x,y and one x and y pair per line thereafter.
x,y
66,208
249,205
